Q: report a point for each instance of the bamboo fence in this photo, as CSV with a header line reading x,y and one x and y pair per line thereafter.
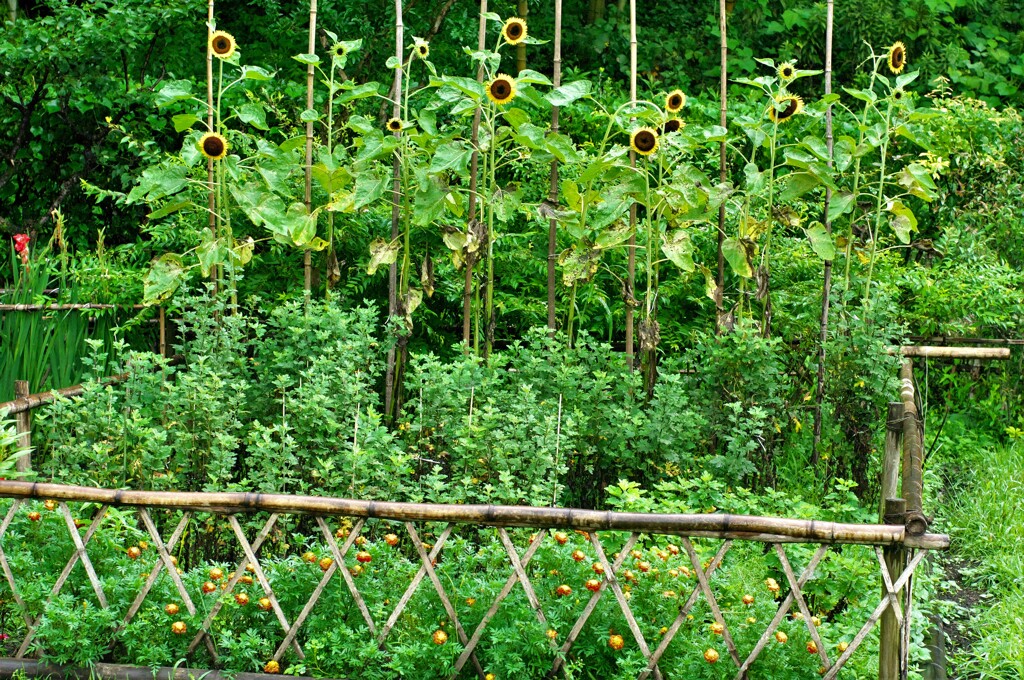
x,y
775,532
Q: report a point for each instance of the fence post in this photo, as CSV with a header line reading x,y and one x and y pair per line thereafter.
x,y
892,459
889,642
23,423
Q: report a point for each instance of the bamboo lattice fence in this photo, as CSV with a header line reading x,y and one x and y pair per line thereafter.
x,y
604,531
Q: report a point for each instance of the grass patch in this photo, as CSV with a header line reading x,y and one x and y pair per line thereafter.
x,y
986,523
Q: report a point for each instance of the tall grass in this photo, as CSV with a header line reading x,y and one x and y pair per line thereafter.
x,y
986,523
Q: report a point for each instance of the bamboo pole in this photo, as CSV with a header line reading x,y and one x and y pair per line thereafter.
x,y
773,529
723,170
523,8
913,454
28,402
926,352
889,636
396,187
307,263
211,197
467,290
553,194
23,425
631,249
826,286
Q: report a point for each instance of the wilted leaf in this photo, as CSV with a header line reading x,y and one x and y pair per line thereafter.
x,y
381,253
678,248
737,255
579,263
902,221
163,278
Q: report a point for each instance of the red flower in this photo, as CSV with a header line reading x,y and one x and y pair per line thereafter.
x,y
21,243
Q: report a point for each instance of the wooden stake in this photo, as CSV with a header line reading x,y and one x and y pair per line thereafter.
x,y
889,636
553,194
826,286
211,197
163,332
891,459
631,249
307,266
23,425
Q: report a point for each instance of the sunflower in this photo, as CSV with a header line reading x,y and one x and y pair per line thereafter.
x,y
897,57
222,44
421,48
898,94
394,125
502,89
675,101
514,30
672,125
644,141
339,50
791,105
786,71
214,146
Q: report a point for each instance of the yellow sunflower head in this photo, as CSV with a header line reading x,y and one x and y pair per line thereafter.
x,y
786,71
222,44
644,141
785,107
897,57
675,101
502,89
514,30
394,125
672,125
214,146
421,49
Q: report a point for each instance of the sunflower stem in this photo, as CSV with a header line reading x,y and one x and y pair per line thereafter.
x,y
878,206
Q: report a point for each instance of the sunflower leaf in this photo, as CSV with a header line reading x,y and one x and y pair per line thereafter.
x,y
561,147
310,59
798,184
902,221
368,189
453,156
254,114
168,209
905,79
736,254
840,204
821,241
174,91
568,93
184,121
467,86
163,278
527,77
678,248
309,116
256,73
382,252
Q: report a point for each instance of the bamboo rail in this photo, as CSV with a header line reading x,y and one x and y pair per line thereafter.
x,y
66,307
771,529
931,352
946,339
28,402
